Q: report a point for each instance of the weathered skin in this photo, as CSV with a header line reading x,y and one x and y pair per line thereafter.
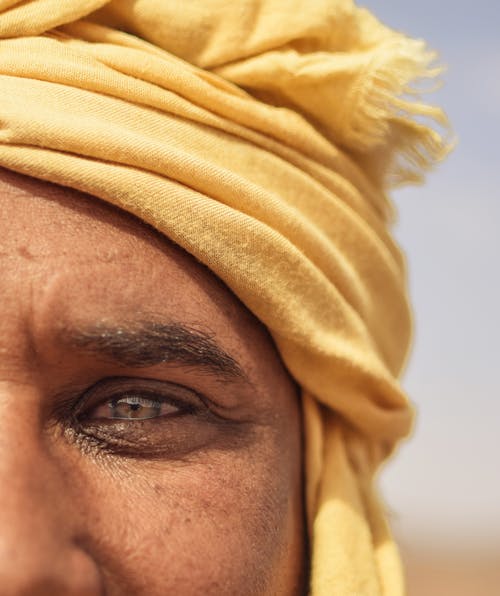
x,y
206,499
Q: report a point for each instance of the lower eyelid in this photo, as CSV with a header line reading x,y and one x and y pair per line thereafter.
x,y
161,437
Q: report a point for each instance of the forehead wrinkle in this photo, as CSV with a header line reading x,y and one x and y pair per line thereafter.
x,y
149,343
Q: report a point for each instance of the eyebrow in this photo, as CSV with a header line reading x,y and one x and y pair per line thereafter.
x,y
144,344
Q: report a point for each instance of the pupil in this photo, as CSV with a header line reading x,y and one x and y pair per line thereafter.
x,y
134,407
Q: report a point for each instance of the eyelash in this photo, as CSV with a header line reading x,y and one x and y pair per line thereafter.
x,y
115,388
164,435
144,399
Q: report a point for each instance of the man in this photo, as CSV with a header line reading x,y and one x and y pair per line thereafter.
x,y
145,415
203,315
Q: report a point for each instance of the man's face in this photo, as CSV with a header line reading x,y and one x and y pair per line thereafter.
x,y
149,434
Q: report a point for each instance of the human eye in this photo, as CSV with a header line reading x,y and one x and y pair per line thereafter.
x,y
134,404
141,417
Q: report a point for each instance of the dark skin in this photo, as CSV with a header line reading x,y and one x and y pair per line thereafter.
x,y
150,437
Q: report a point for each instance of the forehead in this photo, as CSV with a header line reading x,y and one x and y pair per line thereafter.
x,y
52,232
66,259
70,224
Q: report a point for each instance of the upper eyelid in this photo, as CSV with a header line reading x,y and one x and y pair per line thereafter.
x,y
176,408
71,402
87,395
138,398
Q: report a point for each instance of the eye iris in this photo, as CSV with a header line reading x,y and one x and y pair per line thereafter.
x,y
135,407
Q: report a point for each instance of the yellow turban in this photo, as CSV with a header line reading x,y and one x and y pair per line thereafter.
x,y
261,136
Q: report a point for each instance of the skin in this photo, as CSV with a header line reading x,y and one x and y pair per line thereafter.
x,y
203,495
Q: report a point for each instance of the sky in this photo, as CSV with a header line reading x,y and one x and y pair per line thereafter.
x,y
444,485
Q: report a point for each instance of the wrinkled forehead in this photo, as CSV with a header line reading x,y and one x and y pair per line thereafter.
x,y
66,217
52,226
80,258
70,259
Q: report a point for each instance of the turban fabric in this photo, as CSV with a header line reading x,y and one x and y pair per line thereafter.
x,y
261,136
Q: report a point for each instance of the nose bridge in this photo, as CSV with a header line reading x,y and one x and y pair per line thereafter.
x,y
30,491
39,547
28,475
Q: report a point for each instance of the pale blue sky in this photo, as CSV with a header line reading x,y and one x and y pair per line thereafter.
x,y
447,480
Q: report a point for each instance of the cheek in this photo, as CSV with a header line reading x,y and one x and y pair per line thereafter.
x,y
222,523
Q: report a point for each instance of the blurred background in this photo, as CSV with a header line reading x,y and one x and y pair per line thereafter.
x,y
443,488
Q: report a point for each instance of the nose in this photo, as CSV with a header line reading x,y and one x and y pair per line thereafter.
x,y
42,551
31,572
